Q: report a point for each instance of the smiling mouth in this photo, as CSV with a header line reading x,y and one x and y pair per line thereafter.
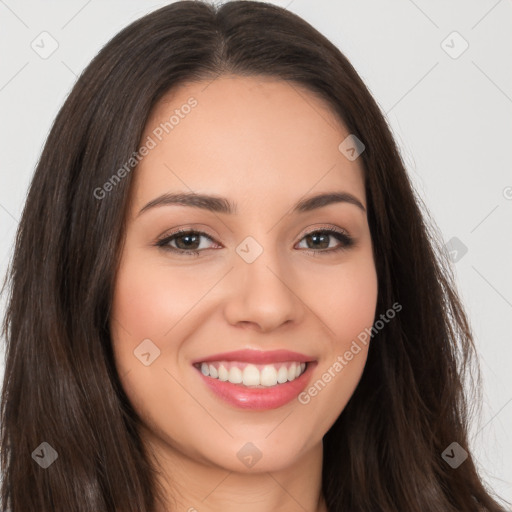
x,y
252,375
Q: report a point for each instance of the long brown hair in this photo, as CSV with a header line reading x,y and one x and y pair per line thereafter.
x,y
60,387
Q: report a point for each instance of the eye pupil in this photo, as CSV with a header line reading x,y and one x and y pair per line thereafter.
x,y
190,237
315,237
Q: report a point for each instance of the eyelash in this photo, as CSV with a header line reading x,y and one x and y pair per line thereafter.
x,y
347,241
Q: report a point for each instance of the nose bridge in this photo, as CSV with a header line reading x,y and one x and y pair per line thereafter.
x,y
262,292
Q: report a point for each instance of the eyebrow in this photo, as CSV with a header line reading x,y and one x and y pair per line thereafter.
x,y
223,205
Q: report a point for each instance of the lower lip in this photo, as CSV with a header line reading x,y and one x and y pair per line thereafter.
x,y
259,399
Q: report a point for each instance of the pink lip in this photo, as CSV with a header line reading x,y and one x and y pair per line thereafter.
x,y
259,399
257,357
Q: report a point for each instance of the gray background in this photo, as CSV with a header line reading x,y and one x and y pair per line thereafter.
x,y
450,113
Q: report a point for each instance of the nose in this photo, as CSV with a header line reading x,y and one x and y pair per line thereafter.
x,y
263,294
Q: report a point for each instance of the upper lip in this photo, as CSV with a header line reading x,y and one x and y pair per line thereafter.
x,y
257,357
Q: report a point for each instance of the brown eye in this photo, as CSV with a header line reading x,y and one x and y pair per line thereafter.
x,y
320,240
186,242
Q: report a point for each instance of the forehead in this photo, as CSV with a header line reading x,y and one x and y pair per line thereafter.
x,y
252,137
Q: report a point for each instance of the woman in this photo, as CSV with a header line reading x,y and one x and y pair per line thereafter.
x,y
224,295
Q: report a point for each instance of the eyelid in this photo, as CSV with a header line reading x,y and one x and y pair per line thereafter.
x,y
324,227
187,229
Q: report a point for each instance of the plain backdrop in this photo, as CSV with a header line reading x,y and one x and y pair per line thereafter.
x,y
441,73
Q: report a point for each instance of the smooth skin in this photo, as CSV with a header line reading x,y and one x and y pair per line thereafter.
x,y
263,144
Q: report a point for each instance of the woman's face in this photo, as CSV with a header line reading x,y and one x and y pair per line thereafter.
x,y
267,280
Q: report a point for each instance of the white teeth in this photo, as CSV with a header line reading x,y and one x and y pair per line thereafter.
x,y
235,375
268,376
223,373
282,375
291,372
213,371
253,375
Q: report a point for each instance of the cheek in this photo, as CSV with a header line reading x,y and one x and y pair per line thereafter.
x,y
150,299
344,297
154,301
347,306
148,302
144,308
355,302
